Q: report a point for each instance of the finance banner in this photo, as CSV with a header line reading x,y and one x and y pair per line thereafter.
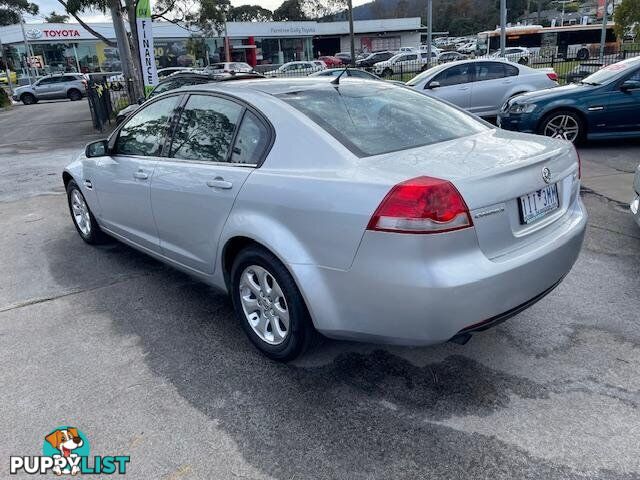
x,y
145,43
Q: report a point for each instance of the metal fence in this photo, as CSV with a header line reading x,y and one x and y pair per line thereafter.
x,y
106,98
570,66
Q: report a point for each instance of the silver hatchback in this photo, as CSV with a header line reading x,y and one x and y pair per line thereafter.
x,y
361,210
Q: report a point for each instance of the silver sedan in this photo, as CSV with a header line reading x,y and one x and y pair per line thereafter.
x,y
361,210
482,86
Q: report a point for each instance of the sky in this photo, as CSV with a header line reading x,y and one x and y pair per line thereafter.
x,y
46,6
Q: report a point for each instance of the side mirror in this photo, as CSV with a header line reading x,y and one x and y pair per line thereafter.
x,y
96,149
140,101
433,85
630,85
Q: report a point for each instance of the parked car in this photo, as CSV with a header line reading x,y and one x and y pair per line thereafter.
x,y
52,87
345,57
321,64
373,58
403,63
181,79
514,54
336,209
12,76
347,72
635,204
603,105
467,48
450,56
582,71
228,68
351,73
482,86
330,61
165,72
294,69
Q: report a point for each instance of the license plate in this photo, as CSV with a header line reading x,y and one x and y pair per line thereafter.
x,y
536,205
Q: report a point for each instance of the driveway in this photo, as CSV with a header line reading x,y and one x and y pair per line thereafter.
x,y
150,363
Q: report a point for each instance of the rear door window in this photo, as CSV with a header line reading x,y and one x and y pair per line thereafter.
x,y
489,71
454,75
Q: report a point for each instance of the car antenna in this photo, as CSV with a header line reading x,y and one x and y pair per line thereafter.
x,y
336,81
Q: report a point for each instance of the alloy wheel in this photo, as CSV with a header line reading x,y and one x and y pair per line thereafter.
x,y
80,212
264,305
562,126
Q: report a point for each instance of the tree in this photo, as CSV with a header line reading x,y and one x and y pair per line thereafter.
x,y
54,17
210,18
290,10
627,18
249,13
10,10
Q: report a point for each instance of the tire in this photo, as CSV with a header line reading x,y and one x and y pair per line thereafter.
x,y
93,235
523,60
74,95
583,54
255,305
28,98
387,72
560,123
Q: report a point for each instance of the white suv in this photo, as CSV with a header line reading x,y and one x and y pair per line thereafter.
x,y
404,63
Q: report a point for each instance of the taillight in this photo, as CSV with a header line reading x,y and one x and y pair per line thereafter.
x,y
552,76
421,205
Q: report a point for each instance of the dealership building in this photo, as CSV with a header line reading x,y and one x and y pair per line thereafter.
x,y
68,47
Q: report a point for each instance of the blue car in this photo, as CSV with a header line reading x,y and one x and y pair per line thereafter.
x,y
605,104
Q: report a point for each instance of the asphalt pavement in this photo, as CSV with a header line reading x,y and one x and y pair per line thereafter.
x,y
150,363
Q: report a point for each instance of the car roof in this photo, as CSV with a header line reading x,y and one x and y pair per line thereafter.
x,y
276,86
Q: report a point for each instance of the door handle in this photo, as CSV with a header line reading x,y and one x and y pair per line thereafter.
x,y
141,175
219,182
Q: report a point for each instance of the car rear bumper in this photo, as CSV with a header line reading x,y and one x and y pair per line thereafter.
x,y
420,290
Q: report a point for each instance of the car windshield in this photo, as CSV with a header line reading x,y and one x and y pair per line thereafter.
x,y
607,73
371,120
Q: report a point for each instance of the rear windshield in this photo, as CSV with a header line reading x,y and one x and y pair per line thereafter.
x,y
374,119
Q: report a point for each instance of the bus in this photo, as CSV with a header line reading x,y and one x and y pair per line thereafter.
x,y
571,42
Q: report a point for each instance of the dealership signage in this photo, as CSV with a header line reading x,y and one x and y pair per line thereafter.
x,y
145,42
36,34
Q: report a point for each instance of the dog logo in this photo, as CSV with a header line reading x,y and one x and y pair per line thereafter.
x,y
546,175
65,451
66,443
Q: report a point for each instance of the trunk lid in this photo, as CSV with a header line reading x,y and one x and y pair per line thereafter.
x,y
492,170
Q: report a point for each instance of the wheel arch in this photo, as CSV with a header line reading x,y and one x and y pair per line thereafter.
x,y
66,178
570,108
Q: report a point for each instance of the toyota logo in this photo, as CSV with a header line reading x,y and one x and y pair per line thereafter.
x,y
546,175
33,34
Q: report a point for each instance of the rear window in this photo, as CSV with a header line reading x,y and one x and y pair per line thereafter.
x,y
373,120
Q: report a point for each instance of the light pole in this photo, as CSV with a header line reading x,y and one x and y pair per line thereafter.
x,y
351,38
503,26
429,30
603,33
